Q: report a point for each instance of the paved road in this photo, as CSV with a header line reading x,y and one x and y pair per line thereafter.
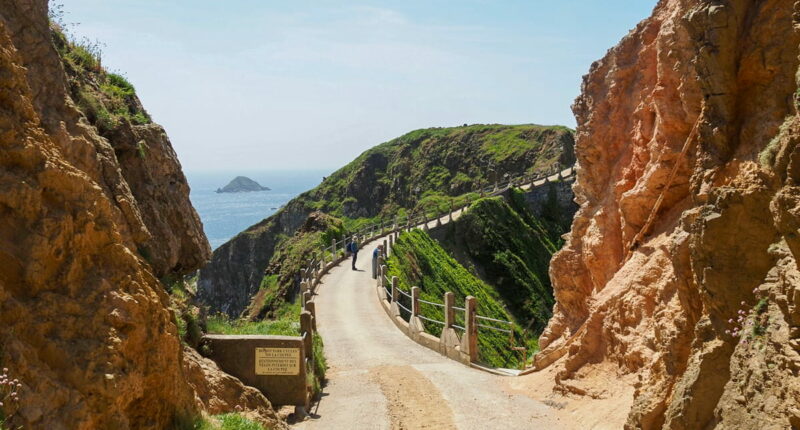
x,y
380,379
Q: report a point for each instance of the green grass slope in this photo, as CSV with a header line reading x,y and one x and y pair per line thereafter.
x,y
438,162
499,252
508,247
420,261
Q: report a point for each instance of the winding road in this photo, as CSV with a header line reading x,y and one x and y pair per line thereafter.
x,y
380,379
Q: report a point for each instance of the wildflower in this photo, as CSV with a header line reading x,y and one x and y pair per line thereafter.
x,y
743,303
730,320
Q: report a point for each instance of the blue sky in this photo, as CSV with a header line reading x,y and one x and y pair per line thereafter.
x,y
256,84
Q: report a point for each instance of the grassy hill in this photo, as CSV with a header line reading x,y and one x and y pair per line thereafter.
x,y
499,252
424,167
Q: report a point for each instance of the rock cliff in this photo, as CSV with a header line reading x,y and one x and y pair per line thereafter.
x,y
680,274
90,220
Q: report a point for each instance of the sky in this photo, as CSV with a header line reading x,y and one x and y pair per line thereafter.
x,y
294,85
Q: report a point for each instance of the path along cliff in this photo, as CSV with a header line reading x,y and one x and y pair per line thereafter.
x,y
380,379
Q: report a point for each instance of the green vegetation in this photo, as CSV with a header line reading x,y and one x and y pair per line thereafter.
x,y
230,421
420,261
439,161
510,249
767,156
221,324
760,321
291,255
499,252
107,99
187,320
237,422
315,373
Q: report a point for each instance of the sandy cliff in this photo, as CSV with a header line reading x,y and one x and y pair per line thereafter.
x,y
680,273
88,224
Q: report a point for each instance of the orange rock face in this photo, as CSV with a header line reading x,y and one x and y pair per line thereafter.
x,y
84,321
688,185
217,392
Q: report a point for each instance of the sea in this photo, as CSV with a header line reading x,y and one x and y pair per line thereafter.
x,y
226,214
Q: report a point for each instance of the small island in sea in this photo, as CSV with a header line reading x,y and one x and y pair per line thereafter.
x,y
241,184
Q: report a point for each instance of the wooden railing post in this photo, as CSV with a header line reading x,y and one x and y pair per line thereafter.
x,y
471,329
307,329
449,312
303,287
415,301
425,220
312,308
391,241
451,210
305,299
385,248
335,252
378,271
395,289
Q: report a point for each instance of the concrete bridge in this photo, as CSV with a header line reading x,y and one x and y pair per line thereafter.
x,y
383,377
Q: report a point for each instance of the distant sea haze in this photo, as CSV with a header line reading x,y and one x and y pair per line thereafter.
x,y
226,214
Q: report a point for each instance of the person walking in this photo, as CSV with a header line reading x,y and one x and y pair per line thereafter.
x,y
375,254
352,247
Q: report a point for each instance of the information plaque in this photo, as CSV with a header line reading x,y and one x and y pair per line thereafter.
x,y
277,361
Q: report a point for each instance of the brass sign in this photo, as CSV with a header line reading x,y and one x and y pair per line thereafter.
x,y
277,361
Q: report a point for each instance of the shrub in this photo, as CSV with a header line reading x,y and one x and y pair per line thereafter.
x,y
81,57
237,422
767,156
320,365
141,148
221,324
9,397
121,84
140,118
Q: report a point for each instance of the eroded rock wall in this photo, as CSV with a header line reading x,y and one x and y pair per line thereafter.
x,y
84,321
688,219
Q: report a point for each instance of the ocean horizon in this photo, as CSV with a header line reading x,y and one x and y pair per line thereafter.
x,y
224,215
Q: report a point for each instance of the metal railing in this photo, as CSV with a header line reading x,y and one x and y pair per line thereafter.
x,y
319,263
